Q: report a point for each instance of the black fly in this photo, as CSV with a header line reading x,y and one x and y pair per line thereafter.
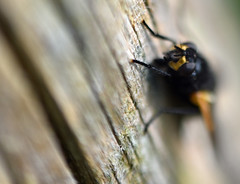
x,y
189,75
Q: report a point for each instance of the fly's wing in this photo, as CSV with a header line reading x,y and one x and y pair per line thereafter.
x,y
204,99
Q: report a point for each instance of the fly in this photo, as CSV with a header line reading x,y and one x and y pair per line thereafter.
x,y
189,75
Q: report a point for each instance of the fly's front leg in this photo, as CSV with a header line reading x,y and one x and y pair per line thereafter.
x,y
158,35
151,67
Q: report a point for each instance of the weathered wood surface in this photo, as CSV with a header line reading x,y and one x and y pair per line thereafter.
x,y
72,108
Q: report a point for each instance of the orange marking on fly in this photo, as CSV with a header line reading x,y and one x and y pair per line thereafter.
x,y
203,100
176,65
182,46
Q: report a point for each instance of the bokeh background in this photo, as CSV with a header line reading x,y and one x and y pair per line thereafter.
x,y
215,24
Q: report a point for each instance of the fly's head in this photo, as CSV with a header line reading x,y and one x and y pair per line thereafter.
x,y
182,58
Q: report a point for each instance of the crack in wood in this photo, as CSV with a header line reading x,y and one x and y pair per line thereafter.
x,y
76,38
131,95
68,142
114,172
14,176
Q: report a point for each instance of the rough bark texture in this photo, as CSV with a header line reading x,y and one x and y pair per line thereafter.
x,y
72,107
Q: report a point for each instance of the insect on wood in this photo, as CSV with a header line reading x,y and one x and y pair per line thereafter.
x,y
189,75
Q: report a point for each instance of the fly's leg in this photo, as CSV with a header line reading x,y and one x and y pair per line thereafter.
x,y
183,111
158,35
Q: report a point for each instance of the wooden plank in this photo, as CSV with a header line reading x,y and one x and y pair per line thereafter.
x,y
95,101
28,148
5,176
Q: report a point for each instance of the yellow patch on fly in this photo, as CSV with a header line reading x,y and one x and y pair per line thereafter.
x,y
176,65
183,47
